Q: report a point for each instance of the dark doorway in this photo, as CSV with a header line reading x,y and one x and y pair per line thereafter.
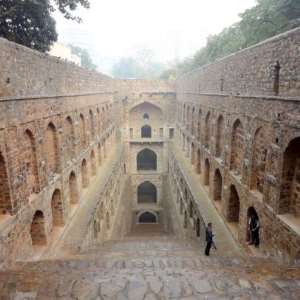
x,y
147,193
147,217
146,131
146,160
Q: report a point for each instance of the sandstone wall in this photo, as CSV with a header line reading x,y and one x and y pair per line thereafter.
x,y
246,148
251,71
56,127
25,72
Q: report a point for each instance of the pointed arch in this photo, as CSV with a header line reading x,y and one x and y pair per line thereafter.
x,y
237,147
51,149
206,172
233,205
198,162
207,130
93,163
146,160
5,199
57,208
84,174
147,192
220,136
73,188
289,201
199,125
218,183
259,156
193,154
37,230
82,128
30,160
92,123
69,137
147,217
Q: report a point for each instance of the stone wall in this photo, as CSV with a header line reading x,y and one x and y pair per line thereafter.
x,y
56,127
253,71
25,72
107,218
246,148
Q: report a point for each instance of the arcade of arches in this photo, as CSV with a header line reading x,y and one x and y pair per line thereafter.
x,y
104,159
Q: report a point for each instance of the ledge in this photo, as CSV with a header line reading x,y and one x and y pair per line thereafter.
x,y
291,221
244,96
39,97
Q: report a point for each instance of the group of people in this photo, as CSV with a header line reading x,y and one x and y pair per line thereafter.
x,y
252,233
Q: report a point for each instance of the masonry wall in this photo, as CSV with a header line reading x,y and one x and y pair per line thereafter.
x,y
56,127
246,148
251,71
28,72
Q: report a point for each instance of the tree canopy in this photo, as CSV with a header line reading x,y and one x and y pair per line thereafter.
x,y
86,60
29,22
266,19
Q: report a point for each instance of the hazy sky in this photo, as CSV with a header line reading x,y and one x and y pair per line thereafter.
x,y
171,28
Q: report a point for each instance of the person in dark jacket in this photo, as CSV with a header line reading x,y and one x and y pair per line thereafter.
x,y
209,239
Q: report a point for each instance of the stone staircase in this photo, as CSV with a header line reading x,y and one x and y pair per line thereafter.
x,y
147,267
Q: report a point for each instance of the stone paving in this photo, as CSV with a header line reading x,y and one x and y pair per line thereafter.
x,y
149,269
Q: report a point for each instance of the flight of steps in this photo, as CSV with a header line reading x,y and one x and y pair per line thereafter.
x,y
149,266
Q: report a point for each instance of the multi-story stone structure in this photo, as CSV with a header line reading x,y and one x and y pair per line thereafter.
x,y
85,158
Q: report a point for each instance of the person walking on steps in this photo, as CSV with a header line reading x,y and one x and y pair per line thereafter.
x,y
209,239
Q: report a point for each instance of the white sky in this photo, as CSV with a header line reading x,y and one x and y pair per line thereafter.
x,y
171,28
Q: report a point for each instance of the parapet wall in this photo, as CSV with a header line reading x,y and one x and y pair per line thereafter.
x,y
251,71
138,86
25,72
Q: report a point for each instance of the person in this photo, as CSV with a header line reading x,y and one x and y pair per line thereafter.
x,y
209,239
255,232
249,230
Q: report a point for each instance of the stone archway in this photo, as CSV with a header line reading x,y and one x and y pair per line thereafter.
x,y
217,194
146,193
198,162
185,219
259,155
5,201
207,130
37,230
147,217
57,208
206,172
51,149
220,136
93,163
73,188
84,174
198,227
146,160
233,214
252,237
237,147
193,154
289,201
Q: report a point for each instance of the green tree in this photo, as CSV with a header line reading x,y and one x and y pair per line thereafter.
x,y
86,60
266,19
29,22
